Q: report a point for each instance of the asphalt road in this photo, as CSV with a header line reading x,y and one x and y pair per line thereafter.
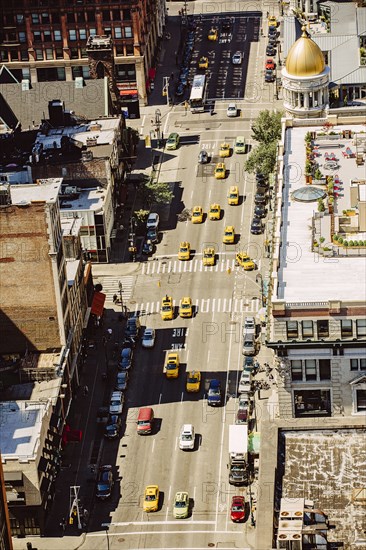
x,y
209,342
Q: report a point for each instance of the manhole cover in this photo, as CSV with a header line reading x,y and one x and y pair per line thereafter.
x,y
132,302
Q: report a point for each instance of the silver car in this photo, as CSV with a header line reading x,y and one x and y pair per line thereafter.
x,y
237,58
148,339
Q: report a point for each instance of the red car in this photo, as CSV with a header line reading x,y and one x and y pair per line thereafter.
x,y
270,64
237,510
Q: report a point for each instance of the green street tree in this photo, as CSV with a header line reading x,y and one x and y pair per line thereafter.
x,y
267,127
262,159
155,192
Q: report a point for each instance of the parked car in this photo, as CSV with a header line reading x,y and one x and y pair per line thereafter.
x,y
132,327
186,437
126,359
269,76
113,427
180,89
260,199
104,482
148,339
172,141
260,211
122,380
270,50
152,221
147,247
116,402
242,416
152,236
270,64
249,325
256,227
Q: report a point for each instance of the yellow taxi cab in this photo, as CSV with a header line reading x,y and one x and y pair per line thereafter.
x,y
197,214
214,212
220,171
224,150
212,34
272,21
151,498
209,256
171,366
184,251
203,63
233,195
166,310
185,307
242,259
229,235
193,381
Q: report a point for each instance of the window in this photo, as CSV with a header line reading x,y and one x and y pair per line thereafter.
x,y
61,73
47,37
128,32
74,53
129,49
106,15
55,17
37,36
116,15
59,53
72,34
3,55
346,328
39,54
117,32
296,370
119,49
57,35
83,52
307,329
108,31
91,15
323,328
49,53
310,369
14,55
24,55
22,37
71,17
324,369
126,15
45,18
82,34
92,31
361,327
361,400
358,364
292,329
20,19
80,17
35,18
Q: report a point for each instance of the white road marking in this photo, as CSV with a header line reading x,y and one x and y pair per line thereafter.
x,y
160,396
169,522
181,398
153,446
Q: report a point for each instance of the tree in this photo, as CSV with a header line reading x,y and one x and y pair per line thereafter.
x,y
262,159
267,127
155,192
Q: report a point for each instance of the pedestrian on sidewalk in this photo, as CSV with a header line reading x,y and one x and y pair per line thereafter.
x,y
63,525
86,390
110,332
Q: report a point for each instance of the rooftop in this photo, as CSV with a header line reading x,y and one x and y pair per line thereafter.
x,y
329,467
303,275
71,270
87,199
46,190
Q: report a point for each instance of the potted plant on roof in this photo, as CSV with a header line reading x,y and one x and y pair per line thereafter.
x,y
318,176
308,172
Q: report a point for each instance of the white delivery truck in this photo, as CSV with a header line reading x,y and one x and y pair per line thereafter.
x,y
238,454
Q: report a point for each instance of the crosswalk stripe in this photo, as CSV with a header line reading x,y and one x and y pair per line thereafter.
x,y
193,266
207,305
110,286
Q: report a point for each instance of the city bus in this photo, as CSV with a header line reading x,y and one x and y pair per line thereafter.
x,y
197,98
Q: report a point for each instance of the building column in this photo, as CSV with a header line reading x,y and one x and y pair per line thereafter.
x,y
141,79
306,100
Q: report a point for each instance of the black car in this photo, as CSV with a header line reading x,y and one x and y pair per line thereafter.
x,y
104,482
256,227
147,247
260,177
260,212
270,51
152,235
260,199
272,40
126,359
272,30
269,76
121,382
214,393
132,327
113,427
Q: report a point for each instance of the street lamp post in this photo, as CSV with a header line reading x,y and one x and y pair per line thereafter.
x,y
166,88
107,533
158,124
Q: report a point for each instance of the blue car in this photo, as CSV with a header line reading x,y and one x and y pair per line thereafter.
x,y
214,393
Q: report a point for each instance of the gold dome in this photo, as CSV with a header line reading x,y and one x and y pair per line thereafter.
x,y
305,58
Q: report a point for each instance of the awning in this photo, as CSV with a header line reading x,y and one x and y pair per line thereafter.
x,y
98,304
128,92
